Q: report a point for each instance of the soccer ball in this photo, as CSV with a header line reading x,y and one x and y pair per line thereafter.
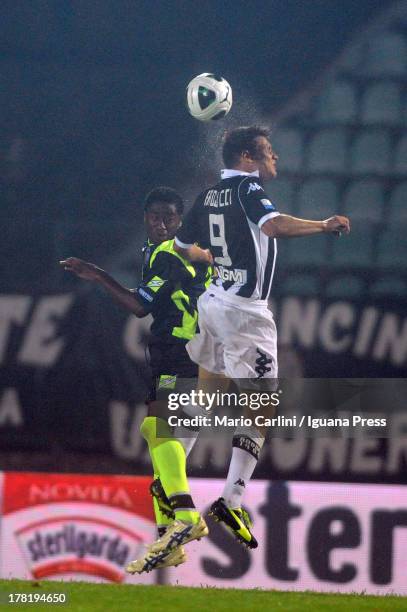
x,y
209,97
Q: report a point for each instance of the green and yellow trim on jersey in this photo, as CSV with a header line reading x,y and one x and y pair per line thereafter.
x,y
170,289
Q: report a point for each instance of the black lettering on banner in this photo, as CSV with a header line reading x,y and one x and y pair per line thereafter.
x,y
79,543
278,512
321,542
239,557
384,523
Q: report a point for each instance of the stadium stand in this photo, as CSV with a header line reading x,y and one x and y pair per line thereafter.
x,y
345,288
392,250
391,287
290,141
346,152
370,153
364,199
398,206
308,251
381,104
338,104
282,194
400,164
359,251
301,284
386,55
327,151
318,197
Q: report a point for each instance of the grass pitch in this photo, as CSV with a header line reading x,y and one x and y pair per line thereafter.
x,y
86,597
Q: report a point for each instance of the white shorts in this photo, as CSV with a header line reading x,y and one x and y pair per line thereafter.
x,y
237,342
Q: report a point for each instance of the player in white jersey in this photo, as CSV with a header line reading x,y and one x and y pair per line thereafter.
x,y
236,222
237,337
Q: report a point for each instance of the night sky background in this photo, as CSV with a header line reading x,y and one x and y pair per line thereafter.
x,y
93,101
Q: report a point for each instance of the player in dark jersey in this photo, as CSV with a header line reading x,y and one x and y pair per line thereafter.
x,y
237,337
169,290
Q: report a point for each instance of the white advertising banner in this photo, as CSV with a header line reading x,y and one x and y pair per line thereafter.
x,y
312,536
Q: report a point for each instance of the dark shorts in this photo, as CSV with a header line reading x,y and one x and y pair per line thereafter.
x,y
170,363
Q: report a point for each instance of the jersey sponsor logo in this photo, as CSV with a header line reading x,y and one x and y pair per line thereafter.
x,y
218,199
145,295
254,187
237,276
267,204
155,283
167,381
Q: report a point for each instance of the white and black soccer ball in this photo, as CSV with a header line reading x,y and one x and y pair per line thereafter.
x,y
209,97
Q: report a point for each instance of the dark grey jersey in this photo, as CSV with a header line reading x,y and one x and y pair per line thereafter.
x,y
227,219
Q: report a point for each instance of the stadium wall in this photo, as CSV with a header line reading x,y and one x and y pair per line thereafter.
x,y
73,382
316,536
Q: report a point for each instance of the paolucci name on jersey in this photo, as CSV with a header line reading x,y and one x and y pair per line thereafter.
x,y
227,219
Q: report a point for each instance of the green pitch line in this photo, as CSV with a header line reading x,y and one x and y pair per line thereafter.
x,y
85,597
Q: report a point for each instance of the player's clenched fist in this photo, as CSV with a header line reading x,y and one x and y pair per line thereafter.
x,y
337,224
81,268
209,257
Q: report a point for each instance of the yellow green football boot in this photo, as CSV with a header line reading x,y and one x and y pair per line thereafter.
x,y
237,520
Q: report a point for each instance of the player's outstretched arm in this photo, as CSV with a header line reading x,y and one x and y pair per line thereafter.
x,y
291,227
195,253
88,271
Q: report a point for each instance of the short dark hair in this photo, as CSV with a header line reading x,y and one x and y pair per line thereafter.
x,y
241,139
164,194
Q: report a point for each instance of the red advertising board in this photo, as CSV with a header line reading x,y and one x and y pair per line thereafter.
x,y
74,527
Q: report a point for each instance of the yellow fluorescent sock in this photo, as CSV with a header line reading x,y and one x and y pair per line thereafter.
x,y
189,516
162,520
155,431
170,459
155,467
148,430
167,454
